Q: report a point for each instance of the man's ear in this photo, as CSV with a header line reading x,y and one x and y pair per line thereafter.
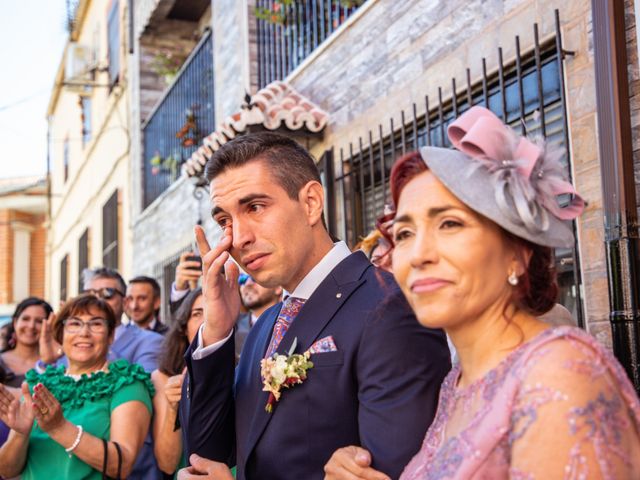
x,y
156,303
311,196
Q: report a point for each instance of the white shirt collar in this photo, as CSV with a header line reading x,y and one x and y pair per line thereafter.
x,y
314,278
152,325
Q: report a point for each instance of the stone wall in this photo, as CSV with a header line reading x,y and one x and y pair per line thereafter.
x,y
392,54
166,226
230,24
387,57
634,88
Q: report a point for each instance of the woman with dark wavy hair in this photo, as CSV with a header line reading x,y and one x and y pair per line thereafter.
x,y
24,335
84,421
473,233
168,379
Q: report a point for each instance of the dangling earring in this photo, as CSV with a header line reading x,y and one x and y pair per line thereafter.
x,y
513,278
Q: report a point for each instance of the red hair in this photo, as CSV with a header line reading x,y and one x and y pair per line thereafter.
x,y
537,287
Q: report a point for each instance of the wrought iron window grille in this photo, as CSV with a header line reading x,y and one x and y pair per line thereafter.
x,y
528,93
282,47
179,120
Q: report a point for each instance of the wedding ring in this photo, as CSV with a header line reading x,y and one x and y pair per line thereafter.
x,y
44,411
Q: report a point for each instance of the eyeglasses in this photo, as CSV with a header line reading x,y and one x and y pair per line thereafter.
x,y
244,278
75,325
106,293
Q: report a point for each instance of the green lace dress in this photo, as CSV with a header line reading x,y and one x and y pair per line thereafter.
x,y
89,402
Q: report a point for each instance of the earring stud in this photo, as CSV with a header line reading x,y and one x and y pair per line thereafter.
x,y
513,279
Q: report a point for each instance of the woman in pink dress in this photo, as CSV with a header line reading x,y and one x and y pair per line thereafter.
x,y
472,234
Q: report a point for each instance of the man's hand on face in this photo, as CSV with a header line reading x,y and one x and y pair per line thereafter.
x,y
188,272
219,287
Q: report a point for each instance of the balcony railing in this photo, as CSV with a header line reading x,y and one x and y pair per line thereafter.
x,y
178,122
297,31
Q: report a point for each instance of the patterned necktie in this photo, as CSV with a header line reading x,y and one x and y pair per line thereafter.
x,y
290,308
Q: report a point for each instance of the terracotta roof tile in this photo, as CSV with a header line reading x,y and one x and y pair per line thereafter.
x,y
275,106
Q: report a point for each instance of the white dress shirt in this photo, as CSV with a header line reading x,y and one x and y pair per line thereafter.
x,y
304,290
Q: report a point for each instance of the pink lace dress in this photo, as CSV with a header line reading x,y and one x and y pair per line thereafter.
x,y
559,406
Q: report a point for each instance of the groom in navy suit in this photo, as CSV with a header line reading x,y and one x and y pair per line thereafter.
x,y
376,372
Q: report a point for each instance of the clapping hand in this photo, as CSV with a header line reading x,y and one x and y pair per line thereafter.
x,y
201,468
219,287
15,414
351,463
47,409
50,350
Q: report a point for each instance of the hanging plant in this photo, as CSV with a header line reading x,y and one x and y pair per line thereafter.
x,y
168,164
278,13
166,65
188,134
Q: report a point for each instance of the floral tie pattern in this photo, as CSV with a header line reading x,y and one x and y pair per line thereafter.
x,y
290,309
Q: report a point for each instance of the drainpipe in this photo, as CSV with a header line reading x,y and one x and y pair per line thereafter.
x,y
618,187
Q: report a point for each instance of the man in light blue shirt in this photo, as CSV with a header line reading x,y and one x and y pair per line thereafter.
x,y
135,344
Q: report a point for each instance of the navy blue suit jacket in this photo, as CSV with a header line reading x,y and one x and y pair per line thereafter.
x,y
379,390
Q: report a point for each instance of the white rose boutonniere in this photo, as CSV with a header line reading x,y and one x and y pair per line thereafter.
x,y
283,371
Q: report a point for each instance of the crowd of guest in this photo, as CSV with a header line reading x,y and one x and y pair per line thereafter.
x,y
53,356
435,349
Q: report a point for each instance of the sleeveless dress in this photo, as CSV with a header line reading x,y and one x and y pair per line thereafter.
x,y
12,379
89,402
558,406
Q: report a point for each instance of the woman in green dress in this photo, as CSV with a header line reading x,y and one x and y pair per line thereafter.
x,y
91,417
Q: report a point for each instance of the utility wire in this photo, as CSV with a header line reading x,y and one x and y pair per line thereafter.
x,y
22,100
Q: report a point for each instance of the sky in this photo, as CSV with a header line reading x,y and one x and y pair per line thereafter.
x,y
32,39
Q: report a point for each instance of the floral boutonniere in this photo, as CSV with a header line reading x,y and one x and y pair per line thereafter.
x,y
283,371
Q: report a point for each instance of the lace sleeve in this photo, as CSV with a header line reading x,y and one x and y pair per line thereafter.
x,y
572,417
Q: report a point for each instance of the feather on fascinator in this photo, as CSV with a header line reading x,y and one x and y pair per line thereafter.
x,y
507,178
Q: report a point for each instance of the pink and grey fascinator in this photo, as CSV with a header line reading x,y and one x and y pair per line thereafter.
x,y
508,178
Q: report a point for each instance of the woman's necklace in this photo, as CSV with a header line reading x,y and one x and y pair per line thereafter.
x,y
78,377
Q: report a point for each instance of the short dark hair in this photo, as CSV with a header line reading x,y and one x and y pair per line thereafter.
x,y
89,274
83,304
149,281
291,165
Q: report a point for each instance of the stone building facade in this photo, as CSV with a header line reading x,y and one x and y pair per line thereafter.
x,y
374,71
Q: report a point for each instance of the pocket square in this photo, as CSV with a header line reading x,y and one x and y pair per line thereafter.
x,y
324,345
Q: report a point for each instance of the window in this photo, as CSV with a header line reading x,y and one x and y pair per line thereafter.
x,y
85,105
65,158
83,257
283,45
113,42
64,267
190,99
366,169
527,94
110,232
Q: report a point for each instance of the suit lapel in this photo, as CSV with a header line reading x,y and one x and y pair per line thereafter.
x,y
317,311
265,323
